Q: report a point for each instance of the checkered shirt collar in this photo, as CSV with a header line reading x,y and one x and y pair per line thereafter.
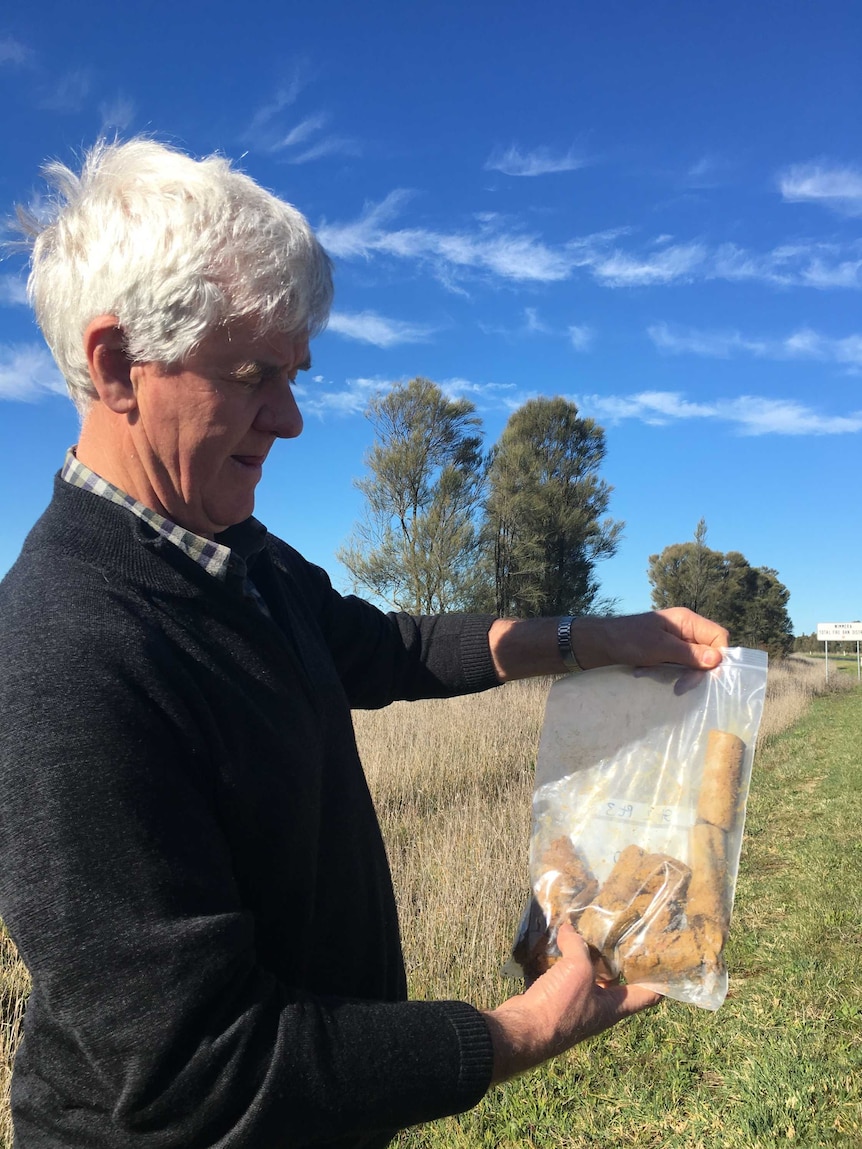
x,y
216,559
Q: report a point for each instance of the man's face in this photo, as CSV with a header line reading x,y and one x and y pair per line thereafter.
x,y
201,434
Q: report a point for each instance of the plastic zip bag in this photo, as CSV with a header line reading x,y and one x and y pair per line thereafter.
x,y
638,812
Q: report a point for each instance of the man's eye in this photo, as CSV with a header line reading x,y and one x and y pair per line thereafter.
x,y
252,377
244,378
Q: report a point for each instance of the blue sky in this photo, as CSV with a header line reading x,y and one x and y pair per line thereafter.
x,y
653,210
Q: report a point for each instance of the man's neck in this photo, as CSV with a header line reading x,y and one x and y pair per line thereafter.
x,y
108,446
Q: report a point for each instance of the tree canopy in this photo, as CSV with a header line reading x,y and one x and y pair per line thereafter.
x,y
445,528
521,530
544,527
750,601
416,546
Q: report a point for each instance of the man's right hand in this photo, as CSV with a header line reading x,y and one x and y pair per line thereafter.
x,y
564,1006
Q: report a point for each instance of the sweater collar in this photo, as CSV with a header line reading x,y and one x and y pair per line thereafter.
x,y
232,552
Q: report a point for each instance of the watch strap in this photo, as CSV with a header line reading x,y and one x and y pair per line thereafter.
x,y
564,643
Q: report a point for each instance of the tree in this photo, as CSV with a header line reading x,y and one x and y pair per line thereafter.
x,y
688,574
416,546
765,622
749,601
543,527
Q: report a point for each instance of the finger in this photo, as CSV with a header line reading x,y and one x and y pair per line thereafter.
x,y
572,946
611,1004
626,1000
695,629
619,1002
605,980
623,1000
700,651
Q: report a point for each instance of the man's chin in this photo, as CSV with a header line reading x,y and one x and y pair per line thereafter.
x,y
233,516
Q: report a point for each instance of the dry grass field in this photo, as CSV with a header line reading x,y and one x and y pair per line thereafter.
x,y
452,782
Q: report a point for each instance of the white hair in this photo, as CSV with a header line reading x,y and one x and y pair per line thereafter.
x,y
173,247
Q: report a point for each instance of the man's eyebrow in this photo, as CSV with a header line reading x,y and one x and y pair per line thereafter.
x,y
248,369
253,367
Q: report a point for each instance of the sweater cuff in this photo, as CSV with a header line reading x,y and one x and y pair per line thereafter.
x,y
477,666
477,1051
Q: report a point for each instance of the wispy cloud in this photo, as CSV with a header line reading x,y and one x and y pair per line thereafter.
x,y
747,414
328,146
802,344
260,130
67,93
367,234
510,255
327,398
815,265
534,324
808,344
369,327
300,133
323,398
493,247
538,162
712,344
28,373
117,113
13,291
301,142
12,51
672,264
818,265
531,324
486,396
824,274
839,188
707,172
581,336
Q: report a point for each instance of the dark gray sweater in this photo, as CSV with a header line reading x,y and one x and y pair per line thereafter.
x,y
190,862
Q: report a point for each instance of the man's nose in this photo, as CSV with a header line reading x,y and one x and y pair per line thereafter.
x,y
279,414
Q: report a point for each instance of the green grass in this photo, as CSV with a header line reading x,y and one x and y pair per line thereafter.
x,y
781,1061
845,663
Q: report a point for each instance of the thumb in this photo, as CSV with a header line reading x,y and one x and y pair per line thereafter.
x,y
706,657
572,946
621,999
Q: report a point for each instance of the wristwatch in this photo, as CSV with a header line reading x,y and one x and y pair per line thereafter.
x,y
564,644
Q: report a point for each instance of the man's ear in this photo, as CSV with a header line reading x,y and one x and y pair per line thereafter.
x,y
108,364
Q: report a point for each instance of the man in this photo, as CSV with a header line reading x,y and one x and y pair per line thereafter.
x,y
191,865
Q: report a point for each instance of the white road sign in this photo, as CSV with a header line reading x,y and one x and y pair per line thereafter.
x,y
838,631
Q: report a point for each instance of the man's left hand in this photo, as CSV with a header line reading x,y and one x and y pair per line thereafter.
x,y
676,635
